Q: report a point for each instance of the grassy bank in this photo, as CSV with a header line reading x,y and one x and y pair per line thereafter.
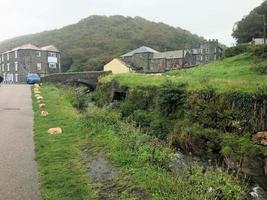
x,y
228,75
141,162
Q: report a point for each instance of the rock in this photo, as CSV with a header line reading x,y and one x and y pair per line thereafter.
x,y
260,138
55,131
44,113
39,98
36,85
42,105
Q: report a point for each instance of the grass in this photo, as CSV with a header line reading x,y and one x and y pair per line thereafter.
x,y
231,74
61,169
142,161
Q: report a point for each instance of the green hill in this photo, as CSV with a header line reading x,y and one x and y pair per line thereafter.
x,y
94,41
237,73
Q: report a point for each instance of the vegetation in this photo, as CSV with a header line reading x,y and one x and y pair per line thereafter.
x,y
94,41
142,161
61,170
251,25
210,111
227,75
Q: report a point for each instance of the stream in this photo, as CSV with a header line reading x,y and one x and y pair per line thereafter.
x,y
252,170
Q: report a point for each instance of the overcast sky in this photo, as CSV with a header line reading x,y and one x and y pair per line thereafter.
x,y
208,18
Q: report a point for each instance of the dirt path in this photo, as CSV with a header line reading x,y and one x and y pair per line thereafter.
x,y
18,170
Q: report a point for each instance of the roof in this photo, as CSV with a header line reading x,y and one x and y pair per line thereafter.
x,y
142,49
50,48
170,54
27,46
34,47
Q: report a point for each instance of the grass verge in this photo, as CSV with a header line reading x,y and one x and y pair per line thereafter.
x,y
61,168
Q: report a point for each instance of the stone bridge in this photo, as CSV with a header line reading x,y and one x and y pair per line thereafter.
x,y
89,78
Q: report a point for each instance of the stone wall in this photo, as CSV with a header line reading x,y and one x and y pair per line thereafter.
x,y
74,76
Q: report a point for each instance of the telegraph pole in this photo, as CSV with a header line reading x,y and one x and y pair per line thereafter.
x,y
264,29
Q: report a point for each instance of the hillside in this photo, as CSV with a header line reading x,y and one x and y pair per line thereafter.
x,y
93,41
230,74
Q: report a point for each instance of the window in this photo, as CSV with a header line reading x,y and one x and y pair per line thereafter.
x,y
3,57
16,54
3,67
207,58
215,50
52,54
53,65
16,66
7,56
39,66
8,67
38,54
207,50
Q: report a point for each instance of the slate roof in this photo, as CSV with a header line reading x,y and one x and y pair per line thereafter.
x,y
34,47
142,49
50,48
170,54
28,46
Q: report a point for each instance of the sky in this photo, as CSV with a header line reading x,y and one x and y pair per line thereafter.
x,y
212,19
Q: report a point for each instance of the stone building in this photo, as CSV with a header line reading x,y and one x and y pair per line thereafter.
x,y
148,60
18,62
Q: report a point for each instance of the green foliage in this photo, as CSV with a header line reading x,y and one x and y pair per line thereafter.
x,y
239,146
96,40
236,50
146,160
79,97
171,99
260,51
251,25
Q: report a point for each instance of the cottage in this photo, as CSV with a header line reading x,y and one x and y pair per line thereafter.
x,y
117,66
18,62
148,60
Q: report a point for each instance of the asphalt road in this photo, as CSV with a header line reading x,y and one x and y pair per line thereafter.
x,y
18,169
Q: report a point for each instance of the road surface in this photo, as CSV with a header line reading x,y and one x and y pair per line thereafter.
x,y
18,169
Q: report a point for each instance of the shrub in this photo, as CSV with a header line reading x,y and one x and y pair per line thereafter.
x,y
260,51
171,99
261,68
236,50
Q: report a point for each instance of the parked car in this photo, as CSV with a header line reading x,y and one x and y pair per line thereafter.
x,y
33,78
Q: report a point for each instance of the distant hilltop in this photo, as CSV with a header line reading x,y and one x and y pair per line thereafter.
x,y
95,40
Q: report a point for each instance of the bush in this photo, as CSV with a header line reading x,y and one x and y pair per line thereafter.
x,y
260,51
79,98
236,50
261,68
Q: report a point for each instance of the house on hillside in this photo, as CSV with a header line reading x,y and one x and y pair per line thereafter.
x,y
258,41
148,60
117,66
18,62
139,59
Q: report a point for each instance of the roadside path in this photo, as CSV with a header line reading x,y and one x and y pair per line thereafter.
x,y
18,169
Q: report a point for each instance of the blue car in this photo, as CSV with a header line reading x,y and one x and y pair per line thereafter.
x,y
33,78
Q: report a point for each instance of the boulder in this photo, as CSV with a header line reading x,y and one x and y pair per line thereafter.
x,y
42,105
39,98
44,113
55,131
260,138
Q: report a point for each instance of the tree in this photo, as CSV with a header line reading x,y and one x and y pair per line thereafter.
x,y
251,25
